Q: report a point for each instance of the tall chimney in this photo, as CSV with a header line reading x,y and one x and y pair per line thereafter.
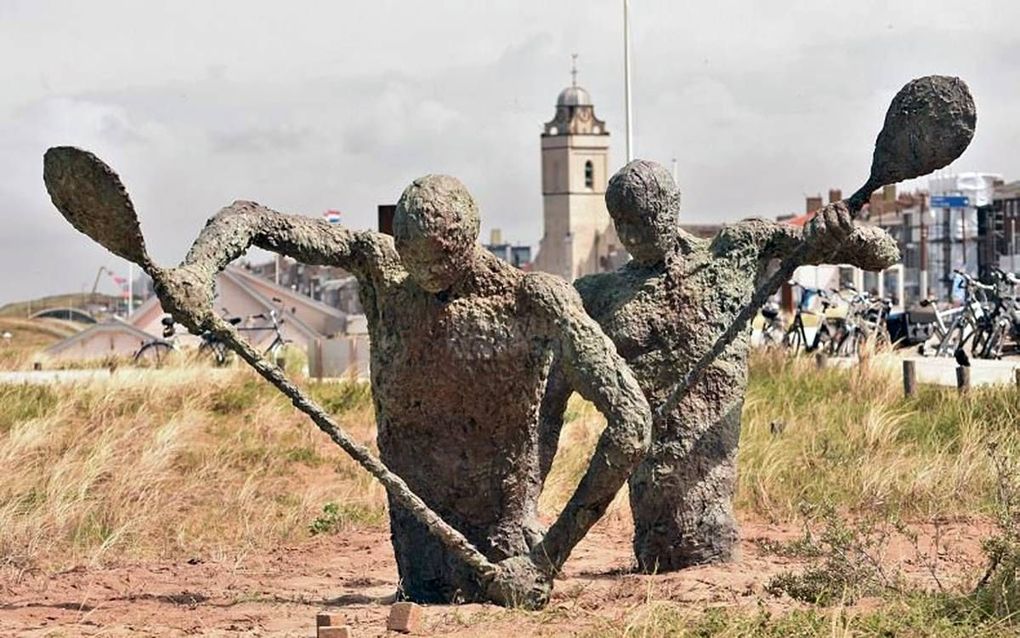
x,y
386,214
875,204
835,195
495,237
813,203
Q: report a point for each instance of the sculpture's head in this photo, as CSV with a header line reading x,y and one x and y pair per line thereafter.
x,y
435,228
644,203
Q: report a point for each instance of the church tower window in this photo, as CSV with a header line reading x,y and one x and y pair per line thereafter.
x,y
589,175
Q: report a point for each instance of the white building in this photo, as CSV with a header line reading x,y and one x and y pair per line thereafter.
x,y
953,234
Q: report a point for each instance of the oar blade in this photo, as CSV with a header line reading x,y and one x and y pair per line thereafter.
x,y
929,124
91,196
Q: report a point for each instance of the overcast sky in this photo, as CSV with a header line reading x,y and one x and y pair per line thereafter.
x,y
308,106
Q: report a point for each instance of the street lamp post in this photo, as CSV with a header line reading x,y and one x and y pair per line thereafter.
x,y
626,80
923,275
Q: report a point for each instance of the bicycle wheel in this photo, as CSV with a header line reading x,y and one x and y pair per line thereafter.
x,y
794,340
775,336
979,340
845,343
952,341
993,346
153,354
275,351
213,352
823,339
771,335
879,336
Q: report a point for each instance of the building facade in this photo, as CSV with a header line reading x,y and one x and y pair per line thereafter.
x,y
1003,224
578,237
517,256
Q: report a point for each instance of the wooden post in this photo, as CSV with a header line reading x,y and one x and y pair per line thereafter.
x,y
963,378
909,378
315,355
821,360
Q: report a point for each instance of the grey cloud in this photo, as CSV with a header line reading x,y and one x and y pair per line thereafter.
x,y
283,138
341,108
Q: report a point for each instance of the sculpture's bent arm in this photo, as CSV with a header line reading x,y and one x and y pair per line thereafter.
x,y
229,233
599,374
831,235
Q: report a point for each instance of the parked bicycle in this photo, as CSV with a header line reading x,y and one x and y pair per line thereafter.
x,y
275,319
796,339
1001,319
773,330
865,322
969,318
155,352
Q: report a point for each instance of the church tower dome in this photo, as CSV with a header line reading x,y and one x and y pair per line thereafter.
x,y
575,113
573,96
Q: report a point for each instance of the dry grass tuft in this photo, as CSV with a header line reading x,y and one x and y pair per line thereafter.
x,y
582,426
850,438
187,461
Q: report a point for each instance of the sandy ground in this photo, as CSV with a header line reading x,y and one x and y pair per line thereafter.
x,y
279,593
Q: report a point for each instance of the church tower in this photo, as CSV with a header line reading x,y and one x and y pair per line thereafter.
x,y
578,237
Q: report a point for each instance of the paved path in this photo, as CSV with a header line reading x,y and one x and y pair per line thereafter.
x,y
942,370
42,377
126,374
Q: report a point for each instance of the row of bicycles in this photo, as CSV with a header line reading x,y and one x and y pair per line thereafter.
x,y
847,319
986,325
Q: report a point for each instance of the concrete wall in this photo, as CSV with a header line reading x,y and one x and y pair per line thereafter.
x,y
339,357
239,303
102,343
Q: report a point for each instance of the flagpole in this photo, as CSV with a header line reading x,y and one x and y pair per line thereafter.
x,y
626,79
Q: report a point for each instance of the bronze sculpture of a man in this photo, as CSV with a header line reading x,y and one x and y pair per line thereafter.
x,y
663,309
461,347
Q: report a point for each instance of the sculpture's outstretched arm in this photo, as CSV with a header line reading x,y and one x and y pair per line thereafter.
x,y
235,228
831,237
594,369
186,292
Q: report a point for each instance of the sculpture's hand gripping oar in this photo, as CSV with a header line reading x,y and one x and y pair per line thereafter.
x,y
929,124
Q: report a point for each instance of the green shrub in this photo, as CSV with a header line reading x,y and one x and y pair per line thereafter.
x,y
336,518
